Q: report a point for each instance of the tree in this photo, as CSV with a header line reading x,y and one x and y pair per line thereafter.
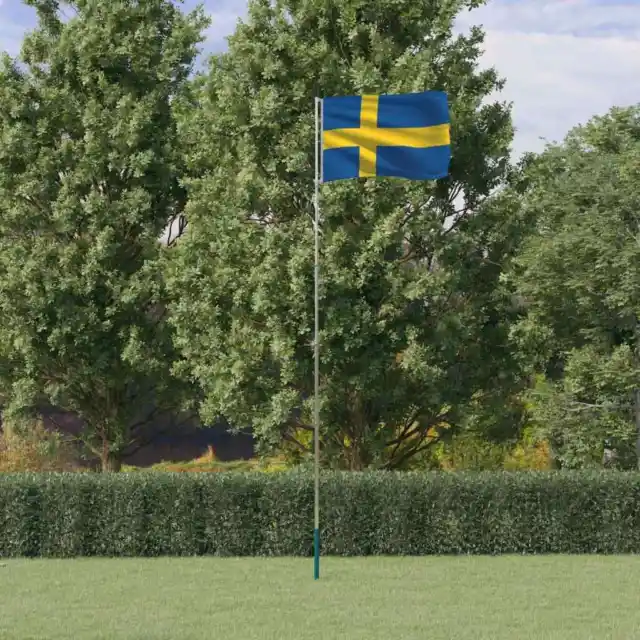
x,y
580,277
89,177
414,318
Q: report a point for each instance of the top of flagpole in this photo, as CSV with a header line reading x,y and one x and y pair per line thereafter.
x,y
320,105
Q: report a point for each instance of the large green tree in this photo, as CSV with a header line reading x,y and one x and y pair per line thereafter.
x,y
414,318
580,278
89,178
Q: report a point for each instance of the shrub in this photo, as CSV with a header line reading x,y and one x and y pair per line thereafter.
x,y
469,452
208,463
33,448
536,456
236,514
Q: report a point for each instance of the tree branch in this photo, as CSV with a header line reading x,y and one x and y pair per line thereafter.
x,y
585,406
289,438
145,421
303,425
460,215
407,434
408,423
410,453
408,256
182,226
136,443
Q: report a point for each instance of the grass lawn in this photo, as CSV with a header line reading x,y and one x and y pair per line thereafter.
x,y
470,598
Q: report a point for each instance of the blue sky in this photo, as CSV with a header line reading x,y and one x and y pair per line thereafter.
x,y
564,60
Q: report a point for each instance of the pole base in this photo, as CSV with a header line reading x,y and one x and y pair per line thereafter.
x,y
316,554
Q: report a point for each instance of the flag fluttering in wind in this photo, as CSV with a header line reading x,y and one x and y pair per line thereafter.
x,y
400,135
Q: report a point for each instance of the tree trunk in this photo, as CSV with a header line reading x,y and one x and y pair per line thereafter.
x,y
110,464
354,456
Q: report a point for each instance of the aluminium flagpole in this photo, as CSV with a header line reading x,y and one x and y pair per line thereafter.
x,y
316,345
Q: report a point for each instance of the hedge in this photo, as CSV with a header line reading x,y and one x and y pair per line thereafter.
x,y
240,514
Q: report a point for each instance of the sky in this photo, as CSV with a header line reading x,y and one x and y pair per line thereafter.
x,y
564,60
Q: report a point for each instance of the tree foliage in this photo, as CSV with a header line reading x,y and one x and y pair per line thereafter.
x,y
580,277
89,168
415,319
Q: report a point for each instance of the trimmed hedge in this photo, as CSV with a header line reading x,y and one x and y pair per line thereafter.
x,y
236,514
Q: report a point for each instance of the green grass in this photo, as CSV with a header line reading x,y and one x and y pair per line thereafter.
x,y
470,598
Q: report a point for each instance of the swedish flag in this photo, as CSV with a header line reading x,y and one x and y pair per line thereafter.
x,y
402,136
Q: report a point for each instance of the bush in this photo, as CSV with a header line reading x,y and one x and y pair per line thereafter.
x,y
239,514
33,448
208,463
533,456
470,452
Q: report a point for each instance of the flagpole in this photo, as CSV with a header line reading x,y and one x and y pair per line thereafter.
x,y
316,346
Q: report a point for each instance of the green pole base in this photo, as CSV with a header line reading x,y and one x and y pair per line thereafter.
x,y
316,554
